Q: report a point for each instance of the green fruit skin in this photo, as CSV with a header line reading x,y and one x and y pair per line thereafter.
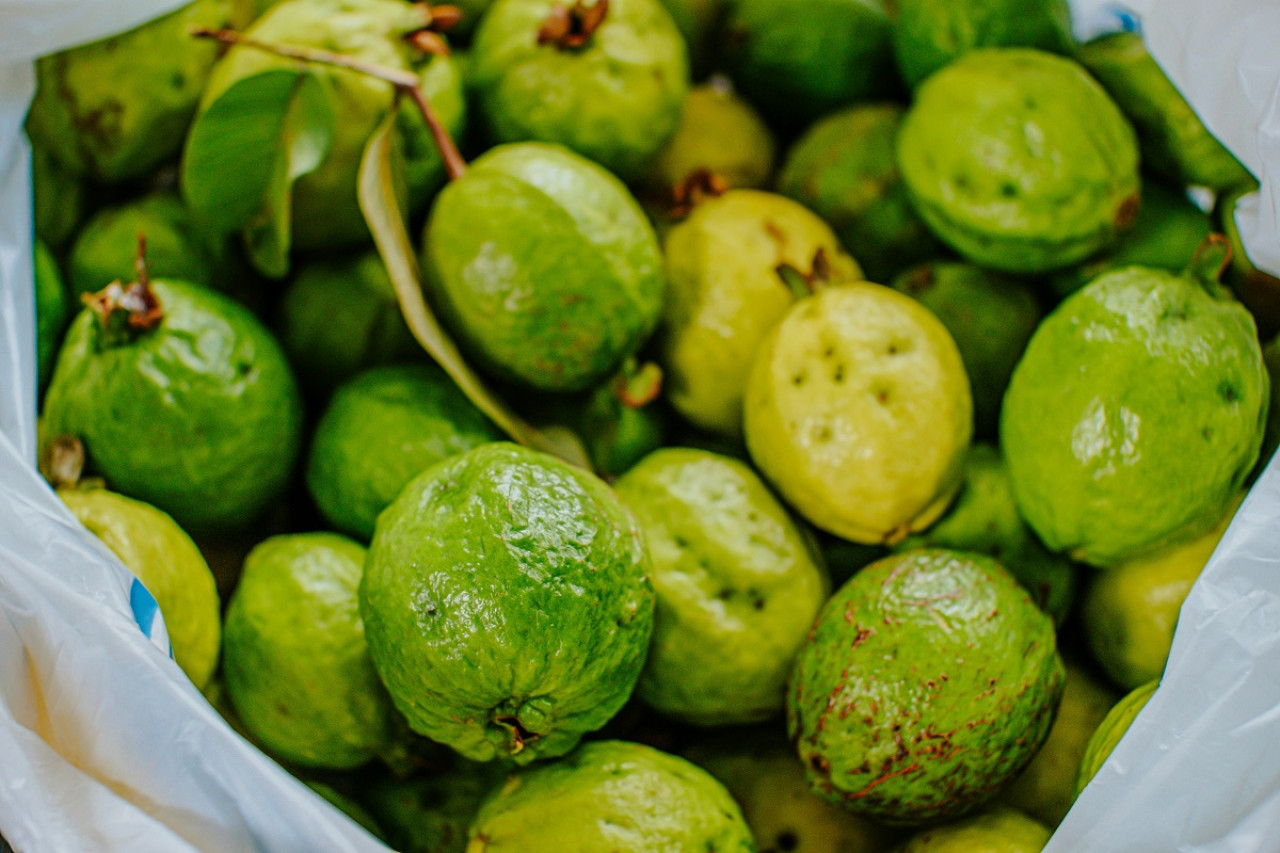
x,y
1174,142
348,806
845,169
1108,468
340,316
117,109
985,520
432,813
1001,830
294,655
1271,439
1110,732
382,429
53,311
57,198
796,68
544,267
325,208
199,416
1019,161
611,797
928,682
618,436
507,603
721,133
991,318
929,34
737,584
616,100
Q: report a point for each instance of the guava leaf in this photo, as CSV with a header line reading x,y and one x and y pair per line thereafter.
x,y
246,150
382,212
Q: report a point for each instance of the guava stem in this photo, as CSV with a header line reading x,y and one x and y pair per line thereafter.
x,y
640,387
63,462
1211,259
697,186
571,27
454,163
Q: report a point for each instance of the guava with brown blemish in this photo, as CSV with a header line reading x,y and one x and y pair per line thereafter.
x,y
928,681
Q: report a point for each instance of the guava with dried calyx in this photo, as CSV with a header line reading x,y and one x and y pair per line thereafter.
x,y
544,267
998,830
340,316
1110,732
726,293
929,680
845,169
990,316
295,660
382,429
1136,413
116,109
606,79
507,603
611,797
182,399
170,566
799,62
432,812
1019,161
324,209
985,520
737,581
858,411
53,312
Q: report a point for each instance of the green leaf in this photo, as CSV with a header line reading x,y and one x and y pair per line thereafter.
x,y
382,211
246,150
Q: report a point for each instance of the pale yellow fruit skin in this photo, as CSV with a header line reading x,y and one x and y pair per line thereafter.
x,y
170,566
858,410
721,132
1001,830
724,295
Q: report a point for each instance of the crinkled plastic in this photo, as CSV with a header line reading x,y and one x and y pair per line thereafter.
x,y
105,745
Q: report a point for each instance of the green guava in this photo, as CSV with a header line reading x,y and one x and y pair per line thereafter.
x,y
858,412
697,21
325,210
799,63
725,294
845,169
340,316
928,34
611,89
620,430
432,813
507,603
182,399
1109,469
929,680
1174,142
117,109
294,656
544,267
170,566
382,429
1258,290
1110,731
1019,161
990,316
985,520
737,583
53,311
57,198
611,797
1000,830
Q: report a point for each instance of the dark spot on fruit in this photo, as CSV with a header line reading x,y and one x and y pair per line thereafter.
x,y
798,379
838,376
787,841
758,604
1207,433
1228,392
1030,103
1009,190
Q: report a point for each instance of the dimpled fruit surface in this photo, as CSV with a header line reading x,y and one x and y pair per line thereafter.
x,y
507,603
929,681
1001,830
611,797
1108,468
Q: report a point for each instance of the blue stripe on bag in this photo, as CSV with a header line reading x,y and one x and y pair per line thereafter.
x,y
145,610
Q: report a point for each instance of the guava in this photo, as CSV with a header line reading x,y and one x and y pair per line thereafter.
x,y
928,681
1110,731
380,430
118,108
347,806
339,316
544,267
170,566
697,21
929,34
1258,290
53,311
1019,161
611,797
607,80
726,293
57,199
858,412
1000,830
507,603
182,399
622,421
799,63
990,316
985,520
294,656
1131,611
325,210
432,813
737,584
1135,415
1174,142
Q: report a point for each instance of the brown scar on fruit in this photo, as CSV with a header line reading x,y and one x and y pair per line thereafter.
x,y
1128,212
571,27
698,186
